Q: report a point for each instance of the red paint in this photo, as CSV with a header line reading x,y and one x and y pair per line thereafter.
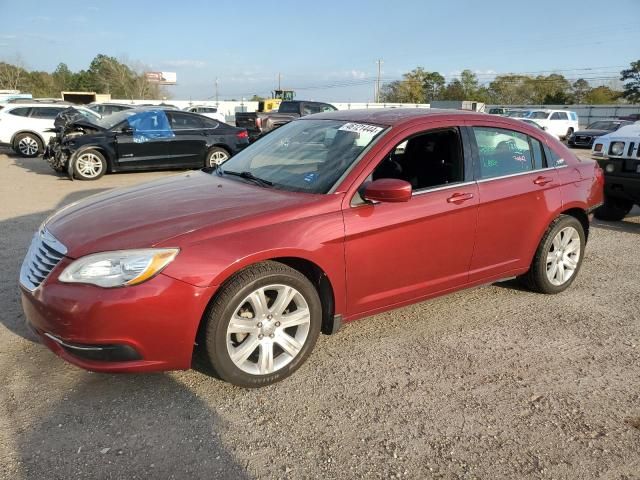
x,y
376,256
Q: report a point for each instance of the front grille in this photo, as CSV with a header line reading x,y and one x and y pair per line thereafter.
x,y
44,254
582,139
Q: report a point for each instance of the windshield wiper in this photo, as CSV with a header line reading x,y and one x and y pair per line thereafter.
x,y
247,176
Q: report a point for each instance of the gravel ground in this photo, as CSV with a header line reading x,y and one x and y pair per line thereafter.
x,y
493,382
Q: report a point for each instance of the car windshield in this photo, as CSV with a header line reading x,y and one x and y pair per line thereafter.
x,y
604,125
517,113
304,155
537,115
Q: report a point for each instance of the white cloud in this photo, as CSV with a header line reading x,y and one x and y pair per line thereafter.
x,y
184,63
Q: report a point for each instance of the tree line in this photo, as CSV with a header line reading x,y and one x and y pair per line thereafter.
x,y
422,86
105,75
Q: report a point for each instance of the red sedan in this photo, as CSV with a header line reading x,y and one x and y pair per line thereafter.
x,y
328,219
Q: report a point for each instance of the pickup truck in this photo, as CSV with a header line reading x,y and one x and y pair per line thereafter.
x,y
260,123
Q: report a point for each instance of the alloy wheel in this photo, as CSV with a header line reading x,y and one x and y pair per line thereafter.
x,y
564,256
89,165
218,158
268,329
28,146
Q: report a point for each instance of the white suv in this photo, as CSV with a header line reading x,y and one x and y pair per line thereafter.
x,y
561,123
207,111
25,126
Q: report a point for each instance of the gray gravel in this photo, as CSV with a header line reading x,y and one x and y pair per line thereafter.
x,y
494,382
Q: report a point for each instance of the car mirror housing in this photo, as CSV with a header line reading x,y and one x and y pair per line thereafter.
x,y
388,190
127,130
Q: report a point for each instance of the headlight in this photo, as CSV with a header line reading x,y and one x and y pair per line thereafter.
x,y
119,268
610,168
616,148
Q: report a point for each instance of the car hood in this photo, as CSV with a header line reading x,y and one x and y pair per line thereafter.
x,y
172,208
72,117
629,132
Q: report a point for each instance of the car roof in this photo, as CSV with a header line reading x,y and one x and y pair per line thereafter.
x,y
395,116
37,104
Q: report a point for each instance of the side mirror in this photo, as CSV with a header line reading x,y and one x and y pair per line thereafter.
x,y
388,190
127,130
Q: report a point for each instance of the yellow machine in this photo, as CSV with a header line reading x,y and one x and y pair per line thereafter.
x,y
270,104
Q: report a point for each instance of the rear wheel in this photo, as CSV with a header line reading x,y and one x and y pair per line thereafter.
x,y
217,156
613,209
27,145
263,325
568,134
558,257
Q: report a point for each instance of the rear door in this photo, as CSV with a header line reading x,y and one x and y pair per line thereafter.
x,y
143,141
189,146
559,123
517,193
42,120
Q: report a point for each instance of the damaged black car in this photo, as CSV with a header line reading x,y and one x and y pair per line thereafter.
x,y
139,139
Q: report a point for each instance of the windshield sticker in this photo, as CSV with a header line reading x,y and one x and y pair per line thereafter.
x,y
310,177
361,128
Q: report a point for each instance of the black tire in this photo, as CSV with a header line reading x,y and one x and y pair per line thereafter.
x,y
27,145
81,173
613,209
227,302
209,161
569,133
536,278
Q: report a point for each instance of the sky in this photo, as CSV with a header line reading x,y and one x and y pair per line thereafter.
x,y
325,50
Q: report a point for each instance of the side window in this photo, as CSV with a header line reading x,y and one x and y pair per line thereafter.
x,y
573,116
183,121
559,116
310,109
20,112
45,112
539,160
428,160
502,152
150,125
327,108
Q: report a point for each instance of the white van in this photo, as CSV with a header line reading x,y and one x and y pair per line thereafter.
x,y
560,123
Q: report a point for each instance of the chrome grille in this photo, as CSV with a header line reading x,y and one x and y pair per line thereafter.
x,y
44,254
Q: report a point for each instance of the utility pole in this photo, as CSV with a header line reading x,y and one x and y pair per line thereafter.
x,y
216,90
377,96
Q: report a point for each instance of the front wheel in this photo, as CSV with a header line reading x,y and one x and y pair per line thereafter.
x,y
89,165
263,325
27,145
613,209
558,257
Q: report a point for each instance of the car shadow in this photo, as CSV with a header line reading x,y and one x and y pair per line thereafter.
x,y
14,242
625,226
91,425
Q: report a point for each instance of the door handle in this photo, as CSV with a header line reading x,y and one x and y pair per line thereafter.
x,y
458,198
542,180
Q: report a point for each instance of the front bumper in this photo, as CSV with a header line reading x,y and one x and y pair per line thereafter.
x,y
147,327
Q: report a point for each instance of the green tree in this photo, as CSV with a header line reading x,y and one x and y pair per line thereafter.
x,y
432,85
580,89
63,78
256,98
631,77
602,96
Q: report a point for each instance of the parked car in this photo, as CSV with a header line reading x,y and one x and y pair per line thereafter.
x,y
27,127
634,117
207,111
261,123
502,111
585,138
325,220
618,154
109,108
561,123
141,139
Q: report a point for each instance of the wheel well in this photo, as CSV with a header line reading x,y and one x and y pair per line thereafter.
x,y
582,217
13,139
318,279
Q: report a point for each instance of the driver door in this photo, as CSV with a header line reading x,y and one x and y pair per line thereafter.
x,y
402,252
144,141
